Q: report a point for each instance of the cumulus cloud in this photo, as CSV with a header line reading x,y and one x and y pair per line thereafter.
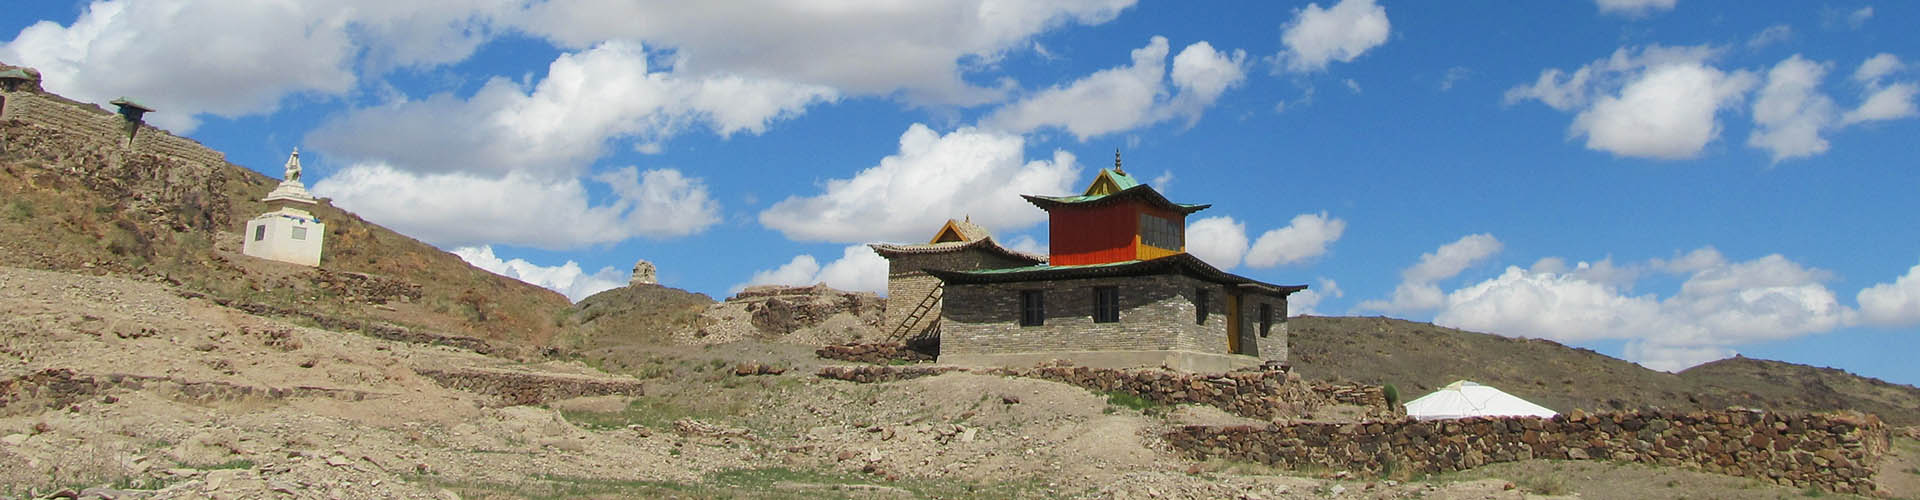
x,y
566,278
919,50
157,51
1222,241
1719,305
1859,18
1892,304
1307,302
858,269
1771,35
968,172
1316,36
1634,7
1881,100
1661,102
1791,113
563,123
1305,237
1419,288
1128,97
461,209
1219,241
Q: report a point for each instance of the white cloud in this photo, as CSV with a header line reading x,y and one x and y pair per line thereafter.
x,y
1307,302
1419,290
236,58
1219,241
1128,97
1662,102
858,269
967,172
563,123
1891,102
1771,35
918,49
1454,76
1634,7
1859,18
566,278
1027,244
1879,66
1720,304
1316,37
461,209
1892,304
1791,113
1305,237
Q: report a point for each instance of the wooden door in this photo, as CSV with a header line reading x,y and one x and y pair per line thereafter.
x,y
1233,323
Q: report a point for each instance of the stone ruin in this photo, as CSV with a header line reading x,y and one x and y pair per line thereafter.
x,y
643,274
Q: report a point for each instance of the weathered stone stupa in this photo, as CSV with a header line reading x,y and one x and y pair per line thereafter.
x,y
289,233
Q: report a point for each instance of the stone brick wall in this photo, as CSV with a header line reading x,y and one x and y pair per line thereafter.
x,y
908,282
1156,313
1273,344
1835,452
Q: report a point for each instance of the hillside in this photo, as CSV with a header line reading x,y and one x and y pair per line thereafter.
x,y
1420,357
73,198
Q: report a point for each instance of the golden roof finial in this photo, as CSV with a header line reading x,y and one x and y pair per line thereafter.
x,y
1116,162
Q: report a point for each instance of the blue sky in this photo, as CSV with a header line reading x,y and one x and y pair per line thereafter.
x,y
1660,180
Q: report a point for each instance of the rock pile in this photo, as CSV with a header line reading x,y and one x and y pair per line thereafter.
x,y
879,354
643,274
1835,452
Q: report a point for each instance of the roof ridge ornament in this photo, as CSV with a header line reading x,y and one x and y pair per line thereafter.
x,y
1116,162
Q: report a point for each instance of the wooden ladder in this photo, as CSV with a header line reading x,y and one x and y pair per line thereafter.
x,y
901,332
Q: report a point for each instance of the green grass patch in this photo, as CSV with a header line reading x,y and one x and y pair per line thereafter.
x,y
238,463
1130,400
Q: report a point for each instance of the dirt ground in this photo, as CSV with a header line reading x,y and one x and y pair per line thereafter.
x,y
196,414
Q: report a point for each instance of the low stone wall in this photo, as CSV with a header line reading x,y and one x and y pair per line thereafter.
x,y
1253,394
364,288
871,374
879,354
61,387
1835,452
510,388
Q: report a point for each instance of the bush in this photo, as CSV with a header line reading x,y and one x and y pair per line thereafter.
x,y
1393,395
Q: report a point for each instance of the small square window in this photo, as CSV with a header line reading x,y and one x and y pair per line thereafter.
x,y
259,232
1266,319
299,233
1200,301
1033,308
1106,304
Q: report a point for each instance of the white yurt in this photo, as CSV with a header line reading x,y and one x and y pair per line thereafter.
x,y
1467,399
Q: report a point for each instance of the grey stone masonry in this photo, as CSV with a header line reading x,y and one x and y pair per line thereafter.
x,y
908,283
1157,314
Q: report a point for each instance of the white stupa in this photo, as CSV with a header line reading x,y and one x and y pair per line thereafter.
x,y
289,233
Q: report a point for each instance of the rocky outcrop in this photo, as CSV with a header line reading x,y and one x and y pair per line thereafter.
x,y
643,274
61,388
813,315
879,354
364,288
1834,452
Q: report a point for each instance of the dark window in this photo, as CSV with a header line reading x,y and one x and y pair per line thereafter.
x,y
259,232
1266,318
1161,233
1106,304
1033,308
1200,298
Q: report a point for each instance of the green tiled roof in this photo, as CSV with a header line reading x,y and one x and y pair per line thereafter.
x,y
1180,263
